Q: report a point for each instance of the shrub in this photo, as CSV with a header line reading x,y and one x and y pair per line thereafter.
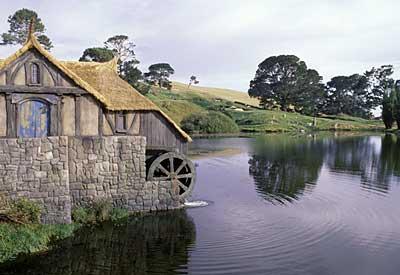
x,y
99,211
118,214
209,123
102,209
25,211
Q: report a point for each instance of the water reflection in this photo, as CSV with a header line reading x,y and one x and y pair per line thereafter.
x,y
284,167
156,244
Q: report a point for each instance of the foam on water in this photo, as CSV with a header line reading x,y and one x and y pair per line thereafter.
x,y
192,204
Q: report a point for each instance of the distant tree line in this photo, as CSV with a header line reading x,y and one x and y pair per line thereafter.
x,y
285,82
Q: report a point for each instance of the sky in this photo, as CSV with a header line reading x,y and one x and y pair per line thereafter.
x,y
223,41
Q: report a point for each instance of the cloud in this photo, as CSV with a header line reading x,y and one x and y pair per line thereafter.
x,y
222,42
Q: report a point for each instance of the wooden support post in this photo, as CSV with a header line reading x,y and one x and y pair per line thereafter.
x,y
101,121
11,117
77,115
59,115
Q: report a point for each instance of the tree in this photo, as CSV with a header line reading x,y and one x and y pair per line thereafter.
x,y
395,102
19,28
284,80
380,82
388,109
130,73
349,95
159,74
117,46
122,48
193,80
97,54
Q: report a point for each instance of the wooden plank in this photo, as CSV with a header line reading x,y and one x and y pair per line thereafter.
x,y
59,115
77,115
53,120
110,121
11,117
41,90
101,122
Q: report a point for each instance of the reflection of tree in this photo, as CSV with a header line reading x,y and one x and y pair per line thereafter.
x,y
284,166
155,244
376,165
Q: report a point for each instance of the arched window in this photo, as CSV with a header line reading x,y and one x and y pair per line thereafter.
x,y
35,73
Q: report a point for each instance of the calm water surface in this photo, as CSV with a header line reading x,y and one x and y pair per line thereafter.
x,y
280,205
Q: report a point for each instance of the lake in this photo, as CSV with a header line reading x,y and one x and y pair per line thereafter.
x,y
278,204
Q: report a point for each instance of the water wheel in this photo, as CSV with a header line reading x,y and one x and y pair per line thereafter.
x,y
173,167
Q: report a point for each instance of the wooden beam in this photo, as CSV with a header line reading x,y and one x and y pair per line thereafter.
x,y
77,115
59,116
41,90
111,122
101,122
11,117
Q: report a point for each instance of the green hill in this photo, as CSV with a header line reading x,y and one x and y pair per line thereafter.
x,y
182,102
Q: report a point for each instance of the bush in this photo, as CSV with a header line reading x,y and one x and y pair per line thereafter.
x,y
118,214
25,211
99,211
209,123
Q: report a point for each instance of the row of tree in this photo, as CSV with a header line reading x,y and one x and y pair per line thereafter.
x,y
287,83
117,46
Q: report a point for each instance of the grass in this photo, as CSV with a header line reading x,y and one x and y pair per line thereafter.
x,y
225,94
29,239
181,102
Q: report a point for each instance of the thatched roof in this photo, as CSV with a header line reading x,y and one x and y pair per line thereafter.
x,y
99,79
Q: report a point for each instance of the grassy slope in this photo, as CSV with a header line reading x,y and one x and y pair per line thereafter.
x,y
181,102
226,94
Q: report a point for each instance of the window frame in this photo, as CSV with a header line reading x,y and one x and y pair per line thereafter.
x,y
124,116
29,72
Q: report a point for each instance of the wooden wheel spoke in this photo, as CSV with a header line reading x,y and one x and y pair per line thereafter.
x,y
183,164
184,187
184,176
171,164
165,171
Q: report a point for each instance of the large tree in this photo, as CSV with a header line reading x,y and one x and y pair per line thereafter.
x,y
130,73
284,80
380,82
122,48
349,95
389,108
19,27
97,54
159,74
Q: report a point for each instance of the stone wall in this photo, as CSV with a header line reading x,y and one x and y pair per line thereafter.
x,y
115,168
37,169
64,172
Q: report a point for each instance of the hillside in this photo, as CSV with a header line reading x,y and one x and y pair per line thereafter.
x,y
226,94
181,102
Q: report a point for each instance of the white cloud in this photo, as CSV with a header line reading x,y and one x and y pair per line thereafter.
x,y
223,41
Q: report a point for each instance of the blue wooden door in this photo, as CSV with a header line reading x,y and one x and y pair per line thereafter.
x,y
34,119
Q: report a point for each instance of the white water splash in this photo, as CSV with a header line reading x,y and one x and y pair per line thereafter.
x,y
195,204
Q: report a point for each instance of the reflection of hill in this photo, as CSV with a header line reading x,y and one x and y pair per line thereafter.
x,y
156,244
282,166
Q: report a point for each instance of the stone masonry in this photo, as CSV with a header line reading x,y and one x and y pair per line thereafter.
x,y
63,172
